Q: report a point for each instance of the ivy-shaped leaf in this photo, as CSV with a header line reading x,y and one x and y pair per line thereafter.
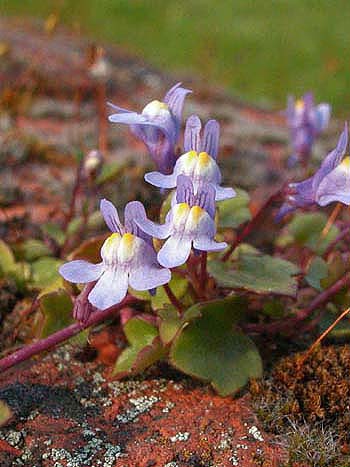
x,y
171,322
212,349
32,249
145,348
318,270
57,308
45,272
234,211
262,274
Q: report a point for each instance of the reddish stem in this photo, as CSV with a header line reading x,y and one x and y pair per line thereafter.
x,y
289,323
203,271
173,300
321,337
60,336
253,222
75,193
101,104
330,247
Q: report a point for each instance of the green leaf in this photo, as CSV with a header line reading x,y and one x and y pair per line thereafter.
x,y
45,272
18,272
336,269
212,349
74,226
32,249
5,413
7,259
274,309
144,350
110,171
306,230
257,273
57,308
54,231
166,205
170,323
317,271
235,211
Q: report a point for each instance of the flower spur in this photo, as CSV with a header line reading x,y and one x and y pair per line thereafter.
x,y
128,258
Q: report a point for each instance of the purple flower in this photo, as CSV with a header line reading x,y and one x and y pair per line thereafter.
x,y
190,222
330,183
128,258
305,121
158,125
199,161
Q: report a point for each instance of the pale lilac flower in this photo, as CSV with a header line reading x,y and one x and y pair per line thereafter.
x,y
199,160
330,183
158,125
305,121
128,258
190,222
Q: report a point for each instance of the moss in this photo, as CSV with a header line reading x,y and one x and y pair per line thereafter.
x,y
309,406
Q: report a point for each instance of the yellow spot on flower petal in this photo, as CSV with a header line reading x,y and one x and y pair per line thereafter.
x,y
197,213
204,159
126,247
346,162
299,105
115,237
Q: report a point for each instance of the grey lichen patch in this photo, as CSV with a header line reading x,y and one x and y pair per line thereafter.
x,y
141,405
180,436
96,451
255,433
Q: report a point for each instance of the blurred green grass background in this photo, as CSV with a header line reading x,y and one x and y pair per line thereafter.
x,y
260,50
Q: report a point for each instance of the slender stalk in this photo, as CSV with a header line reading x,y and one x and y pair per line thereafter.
x,y
101,104
291,323
60,336
332,218
321,337
173,300
73,200
203,270
253,222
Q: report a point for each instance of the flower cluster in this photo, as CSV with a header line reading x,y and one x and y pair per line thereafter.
x,y
128,254
305,121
